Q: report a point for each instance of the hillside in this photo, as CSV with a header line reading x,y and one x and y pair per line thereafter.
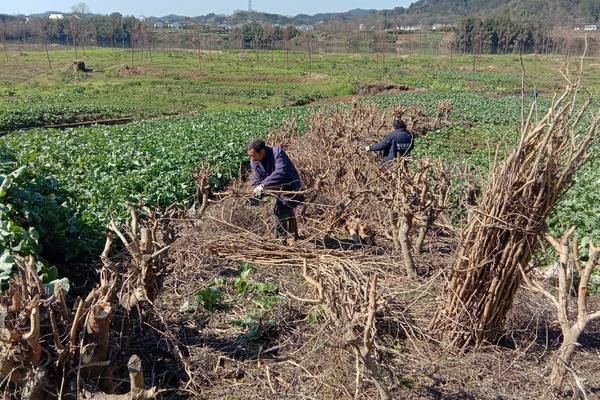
x,y
557,11
241,17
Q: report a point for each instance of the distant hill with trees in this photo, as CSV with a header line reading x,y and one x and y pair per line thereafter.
x,y
480,26
428,12
566,11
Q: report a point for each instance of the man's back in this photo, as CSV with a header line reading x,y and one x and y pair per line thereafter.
x,y
397,143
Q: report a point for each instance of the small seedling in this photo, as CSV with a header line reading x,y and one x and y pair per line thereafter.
x,y
242,284
209,298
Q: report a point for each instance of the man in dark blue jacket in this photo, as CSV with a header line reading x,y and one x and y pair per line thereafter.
x,y
274,170
398,143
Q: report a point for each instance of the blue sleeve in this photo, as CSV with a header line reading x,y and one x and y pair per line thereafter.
x,y
381,145
279,175
256,179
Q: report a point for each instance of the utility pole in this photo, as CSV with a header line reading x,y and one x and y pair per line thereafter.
x,y
250,6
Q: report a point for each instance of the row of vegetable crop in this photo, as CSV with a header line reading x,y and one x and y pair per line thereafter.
x,y
24,114
32,217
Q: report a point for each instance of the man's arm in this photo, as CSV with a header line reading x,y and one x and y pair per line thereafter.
x,y
279,175
256,179
381,145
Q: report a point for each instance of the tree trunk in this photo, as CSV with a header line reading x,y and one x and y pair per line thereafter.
x,y
404,236
376,377
565,355
400,233
5,45
47,54
257,59
395,236
309,57
421,238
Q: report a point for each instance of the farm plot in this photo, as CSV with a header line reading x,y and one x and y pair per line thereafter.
x,y
100,168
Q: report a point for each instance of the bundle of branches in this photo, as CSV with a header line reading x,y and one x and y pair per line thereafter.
x,y
501,234
51,348
234,243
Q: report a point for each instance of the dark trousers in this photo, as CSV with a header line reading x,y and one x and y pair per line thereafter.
x,y
285,219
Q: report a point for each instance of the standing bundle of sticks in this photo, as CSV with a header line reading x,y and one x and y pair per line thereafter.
x,y
503,230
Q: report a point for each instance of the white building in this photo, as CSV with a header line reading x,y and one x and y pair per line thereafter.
x,y
410,28
55,16
305,28
588,27
436,27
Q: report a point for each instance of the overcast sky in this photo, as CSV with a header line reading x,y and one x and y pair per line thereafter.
x,y
192,8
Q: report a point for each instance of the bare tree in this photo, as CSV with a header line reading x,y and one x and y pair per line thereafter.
x,y
78,24
40,29
150,42
197,42
16,30
308,38
256,36
288,34
80,9
568,251
270,36
88,34
3,29
73,31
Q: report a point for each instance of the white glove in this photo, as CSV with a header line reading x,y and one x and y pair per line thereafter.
x,y
367,148
258,190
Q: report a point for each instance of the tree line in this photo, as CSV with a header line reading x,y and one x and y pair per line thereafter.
x,y
502,35
116,30
76,29
496,35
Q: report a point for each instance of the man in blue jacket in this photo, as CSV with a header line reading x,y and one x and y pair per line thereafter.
x,y
397,143
274,170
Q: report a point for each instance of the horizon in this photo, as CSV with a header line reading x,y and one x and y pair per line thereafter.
x,y
154,8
